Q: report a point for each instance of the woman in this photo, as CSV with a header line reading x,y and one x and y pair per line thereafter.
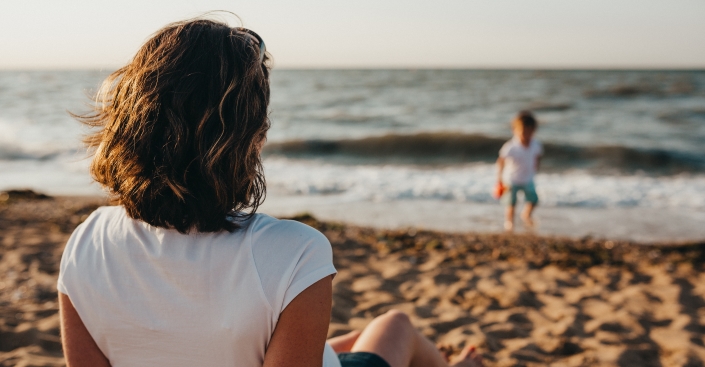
x,y
180,274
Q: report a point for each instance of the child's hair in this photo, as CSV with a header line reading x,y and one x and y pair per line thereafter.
x,y
526,119
181,125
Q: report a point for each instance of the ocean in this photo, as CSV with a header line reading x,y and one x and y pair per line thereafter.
x,y
615,141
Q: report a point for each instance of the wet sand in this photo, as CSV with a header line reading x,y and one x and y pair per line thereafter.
x,y
643,225
522,300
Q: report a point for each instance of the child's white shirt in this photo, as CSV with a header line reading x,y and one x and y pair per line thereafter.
x,y
520,161
155,297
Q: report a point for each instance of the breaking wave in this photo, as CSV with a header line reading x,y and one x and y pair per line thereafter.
x,y
452,148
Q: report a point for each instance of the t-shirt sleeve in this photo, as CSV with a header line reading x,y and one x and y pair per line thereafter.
x,y
67,267
539,148
63,267
314,264
290,257
504,151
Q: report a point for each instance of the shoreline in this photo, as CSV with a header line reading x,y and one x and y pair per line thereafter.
x,y
647,226
643,226
521,299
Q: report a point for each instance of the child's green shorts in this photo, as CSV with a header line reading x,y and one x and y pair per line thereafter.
x,y
509,197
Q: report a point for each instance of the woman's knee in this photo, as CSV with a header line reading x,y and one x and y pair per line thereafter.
x,y
396,320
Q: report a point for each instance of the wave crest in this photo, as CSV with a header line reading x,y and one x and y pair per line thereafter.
x,y
453,148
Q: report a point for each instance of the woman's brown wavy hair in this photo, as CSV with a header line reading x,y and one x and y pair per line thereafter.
x,y
181,126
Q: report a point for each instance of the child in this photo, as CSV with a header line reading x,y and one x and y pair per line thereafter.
x,y
184,272
521,156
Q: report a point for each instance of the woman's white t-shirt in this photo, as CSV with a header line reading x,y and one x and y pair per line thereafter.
x,y
155,297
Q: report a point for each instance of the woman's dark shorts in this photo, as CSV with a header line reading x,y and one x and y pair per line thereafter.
x,y
361,359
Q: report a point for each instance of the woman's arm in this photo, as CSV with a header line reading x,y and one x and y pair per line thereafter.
x,y
301,331
79,347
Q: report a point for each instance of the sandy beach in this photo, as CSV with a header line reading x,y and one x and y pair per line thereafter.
x,y
523,300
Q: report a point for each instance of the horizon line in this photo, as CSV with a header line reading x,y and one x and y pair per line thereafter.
x,y
407,67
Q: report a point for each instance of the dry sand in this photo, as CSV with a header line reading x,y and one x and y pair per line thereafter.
x,y
523,300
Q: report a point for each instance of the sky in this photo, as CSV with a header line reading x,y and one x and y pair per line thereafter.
x,y
72,34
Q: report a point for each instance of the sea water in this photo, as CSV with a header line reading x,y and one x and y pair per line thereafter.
x,y
613,139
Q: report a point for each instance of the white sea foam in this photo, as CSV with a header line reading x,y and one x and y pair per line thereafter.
x,y
26,141
65,176
473,183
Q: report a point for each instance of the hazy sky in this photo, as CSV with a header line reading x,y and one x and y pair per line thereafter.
x,y
374,33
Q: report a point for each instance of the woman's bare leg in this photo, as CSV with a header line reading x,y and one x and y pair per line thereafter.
x,y
469,358
393,337
344,343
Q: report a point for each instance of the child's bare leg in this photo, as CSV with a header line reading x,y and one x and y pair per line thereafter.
x,y
509,218
344,343
526,214
393,337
